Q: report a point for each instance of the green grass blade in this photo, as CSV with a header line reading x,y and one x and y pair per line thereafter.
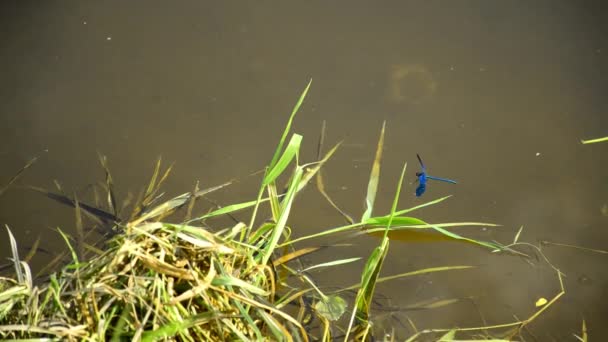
x,y
409,274
278,230
152,184
290,153
80,241
15,253
312,171
109,185
368,282
67,242
331,263
371,273
173,328
383,221
405,222
277,152
433,202
328,232
374,178
275,158
490,245
593,141
228,209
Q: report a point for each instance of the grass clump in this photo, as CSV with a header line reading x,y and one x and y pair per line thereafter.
x,y
154,280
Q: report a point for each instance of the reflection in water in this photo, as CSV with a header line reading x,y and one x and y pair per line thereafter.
x,y
411,84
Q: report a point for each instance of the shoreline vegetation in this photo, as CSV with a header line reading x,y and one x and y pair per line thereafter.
x,y
149,279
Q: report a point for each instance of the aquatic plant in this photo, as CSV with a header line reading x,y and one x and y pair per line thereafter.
x,y
150,279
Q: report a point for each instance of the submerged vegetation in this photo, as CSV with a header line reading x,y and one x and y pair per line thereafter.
x,y
150,279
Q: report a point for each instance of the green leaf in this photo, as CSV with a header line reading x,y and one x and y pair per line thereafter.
x,y
278,230
290,152
275,157
228,209
374,178
331,307
330,264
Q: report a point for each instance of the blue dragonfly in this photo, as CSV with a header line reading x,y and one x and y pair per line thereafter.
x,y
423,177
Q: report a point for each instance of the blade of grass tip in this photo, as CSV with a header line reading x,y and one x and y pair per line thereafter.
x,y
228,209
277,152
321,139
374,177
17,175
213,189
216,206
276,155
290,153
593,141
316,169
433,202
318,165
395,202
331,263
109,184
27,275
67,242
162,180
294,255
354,226
584,331
33,250
171,205
79,230
517,235
137,205
152,183
275,205
59,187
15,252
460,237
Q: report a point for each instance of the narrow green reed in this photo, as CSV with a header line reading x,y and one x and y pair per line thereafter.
x,y
275,157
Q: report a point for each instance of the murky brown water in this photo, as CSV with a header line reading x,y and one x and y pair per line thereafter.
x,y
494,95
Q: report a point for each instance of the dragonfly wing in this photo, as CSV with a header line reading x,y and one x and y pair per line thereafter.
x,y
420,161
441,179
